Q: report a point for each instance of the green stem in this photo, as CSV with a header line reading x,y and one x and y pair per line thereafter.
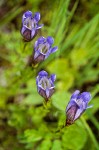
x,y
24,46
93,120
90,133
47,104
59,130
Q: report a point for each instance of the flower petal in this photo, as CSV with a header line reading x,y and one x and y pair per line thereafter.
x,y
27,34
86,96
26,15
90,106
50,40
71,103
37,80
53,77
75,94
73,100
47,93
47,54
39,58
32,33
42,92
78,113
35,45
37,16
23,29
36,54
39,26
41,40
54,49
43,73
71,114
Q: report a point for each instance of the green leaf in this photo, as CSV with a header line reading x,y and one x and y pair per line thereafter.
x,y
56,145
60,100
78,57
95,103
32,136
74,137
33,99
46,144
62,70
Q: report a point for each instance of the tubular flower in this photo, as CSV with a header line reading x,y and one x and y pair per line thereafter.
x,y
45,84
43,48
30,25
77,105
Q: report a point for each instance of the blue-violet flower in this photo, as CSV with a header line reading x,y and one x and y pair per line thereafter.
x,y
77,105
45,84
43,48
30,25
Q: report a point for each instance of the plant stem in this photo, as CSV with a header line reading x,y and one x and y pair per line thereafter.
x,y
90,133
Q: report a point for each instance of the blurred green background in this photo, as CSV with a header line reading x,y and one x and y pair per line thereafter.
x,y
24,122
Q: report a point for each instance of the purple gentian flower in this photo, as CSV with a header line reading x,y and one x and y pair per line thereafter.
x,y
30,25
77,105
43,48
45,84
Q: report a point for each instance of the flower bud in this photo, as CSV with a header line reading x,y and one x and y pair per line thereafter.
x,y
77,105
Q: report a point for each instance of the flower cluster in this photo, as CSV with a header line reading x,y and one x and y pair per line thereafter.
x,y
42,49
45,83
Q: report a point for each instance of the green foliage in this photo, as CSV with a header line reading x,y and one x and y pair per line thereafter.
x,y
59,67
26,122
57,145
60,100
69,137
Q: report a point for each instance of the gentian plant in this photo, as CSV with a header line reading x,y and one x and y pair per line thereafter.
x,y
43,48
45,84
30,25
77,105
